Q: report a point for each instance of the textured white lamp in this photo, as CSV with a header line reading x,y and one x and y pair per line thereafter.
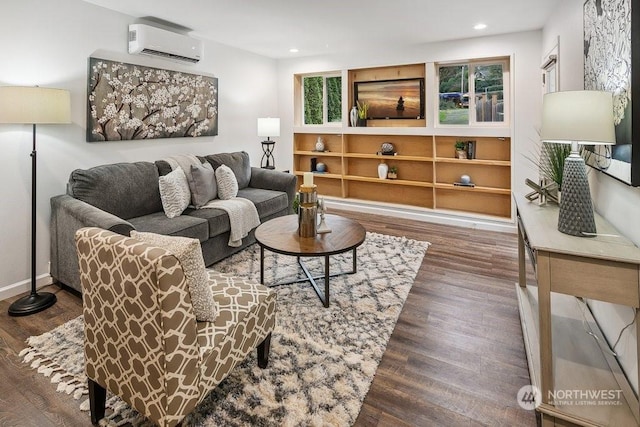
x,y
33,105
577,117
268,127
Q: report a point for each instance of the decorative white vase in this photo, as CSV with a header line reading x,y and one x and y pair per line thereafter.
x,y
353,116
383,168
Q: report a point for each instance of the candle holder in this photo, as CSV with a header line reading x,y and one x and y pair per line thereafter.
x,y
308,211
322,227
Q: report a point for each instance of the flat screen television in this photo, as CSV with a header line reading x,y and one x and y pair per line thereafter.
x,y
392,99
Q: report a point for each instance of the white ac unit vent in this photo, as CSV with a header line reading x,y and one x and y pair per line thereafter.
x,y
148,40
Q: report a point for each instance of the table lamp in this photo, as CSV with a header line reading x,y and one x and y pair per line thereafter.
x,y
268,127
33,105
578,118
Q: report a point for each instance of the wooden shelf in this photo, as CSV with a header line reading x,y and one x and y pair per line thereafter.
x,y
318,153
353,161
321,175
473,162
389,158
388,181
478,189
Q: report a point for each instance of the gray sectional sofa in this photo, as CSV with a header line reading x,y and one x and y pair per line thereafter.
x,y
121,197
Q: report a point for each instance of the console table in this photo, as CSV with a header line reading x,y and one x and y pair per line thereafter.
x,y
605,268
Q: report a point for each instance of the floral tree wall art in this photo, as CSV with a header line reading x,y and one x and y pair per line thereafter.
x,y
128,102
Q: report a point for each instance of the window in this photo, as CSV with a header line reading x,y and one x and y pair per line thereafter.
x,y
322,99
473,93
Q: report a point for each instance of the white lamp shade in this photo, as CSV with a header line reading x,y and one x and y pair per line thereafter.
x,y
34,105
269,127
585,117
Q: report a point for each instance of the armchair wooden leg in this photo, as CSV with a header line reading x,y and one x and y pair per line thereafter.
x,y
263,352
97,401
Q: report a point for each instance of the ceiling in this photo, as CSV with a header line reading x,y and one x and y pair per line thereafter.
x,y
271,28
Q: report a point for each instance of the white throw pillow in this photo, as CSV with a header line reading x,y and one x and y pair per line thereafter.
x,y
189,254
174,192
227,183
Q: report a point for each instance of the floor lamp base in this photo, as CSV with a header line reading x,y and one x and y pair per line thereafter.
x,y
32,303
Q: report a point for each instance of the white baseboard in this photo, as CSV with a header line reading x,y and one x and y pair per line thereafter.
x,y
24,286
478,222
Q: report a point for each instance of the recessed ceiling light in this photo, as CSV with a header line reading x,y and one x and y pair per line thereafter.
x,y
480,26
293,50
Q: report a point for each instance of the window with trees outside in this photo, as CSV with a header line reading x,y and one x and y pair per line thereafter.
x,y
473,93
322,99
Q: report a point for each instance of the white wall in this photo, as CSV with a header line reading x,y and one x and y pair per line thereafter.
x,y
617,202
523,47
47,44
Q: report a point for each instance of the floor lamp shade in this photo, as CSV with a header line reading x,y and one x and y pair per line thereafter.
x,y
577,118
33,105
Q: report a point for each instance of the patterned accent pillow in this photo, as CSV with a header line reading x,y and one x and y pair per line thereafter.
x,y
174,192
188,252
227,183
202,183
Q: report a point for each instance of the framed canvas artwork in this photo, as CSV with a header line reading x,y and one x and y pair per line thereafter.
x,y
610,64
130,102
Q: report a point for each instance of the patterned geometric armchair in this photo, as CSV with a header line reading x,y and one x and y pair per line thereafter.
x,y
142,340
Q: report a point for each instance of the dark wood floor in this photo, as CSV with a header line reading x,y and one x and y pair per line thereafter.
x,y
456,356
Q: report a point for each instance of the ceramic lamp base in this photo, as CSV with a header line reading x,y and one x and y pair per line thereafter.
x,y
576,210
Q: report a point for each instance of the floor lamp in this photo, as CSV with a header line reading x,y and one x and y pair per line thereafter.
x,y
582,117
33,105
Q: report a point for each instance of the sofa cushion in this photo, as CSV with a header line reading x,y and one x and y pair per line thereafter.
x,y
202,184
227,183
183,225
217,219
238,162
268,202
126,190
189,254
174,193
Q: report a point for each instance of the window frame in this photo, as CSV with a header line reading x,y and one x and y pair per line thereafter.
x,y
325,99
472,64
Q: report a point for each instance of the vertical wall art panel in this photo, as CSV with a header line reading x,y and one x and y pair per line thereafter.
x,y
127,102
608,58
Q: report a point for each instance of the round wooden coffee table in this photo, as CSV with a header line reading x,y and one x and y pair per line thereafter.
x,y
280,235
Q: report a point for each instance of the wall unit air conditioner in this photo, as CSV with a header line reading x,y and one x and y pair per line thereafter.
x,y
148,40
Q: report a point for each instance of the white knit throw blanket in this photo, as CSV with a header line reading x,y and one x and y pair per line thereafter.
x,y
243,217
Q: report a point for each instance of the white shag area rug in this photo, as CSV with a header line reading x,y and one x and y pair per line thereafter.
x,y
322,360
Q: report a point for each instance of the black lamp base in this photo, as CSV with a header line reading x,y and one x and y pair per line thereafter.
x,y
32,303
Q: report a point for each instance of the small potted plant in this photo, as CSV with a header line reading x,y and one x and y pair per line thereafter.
x,y
363,110
393,172
461,149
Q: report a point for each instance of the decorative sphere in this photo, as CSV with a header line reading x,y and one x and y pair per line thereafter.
x,y
387,147
465,179
321,167
320,144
